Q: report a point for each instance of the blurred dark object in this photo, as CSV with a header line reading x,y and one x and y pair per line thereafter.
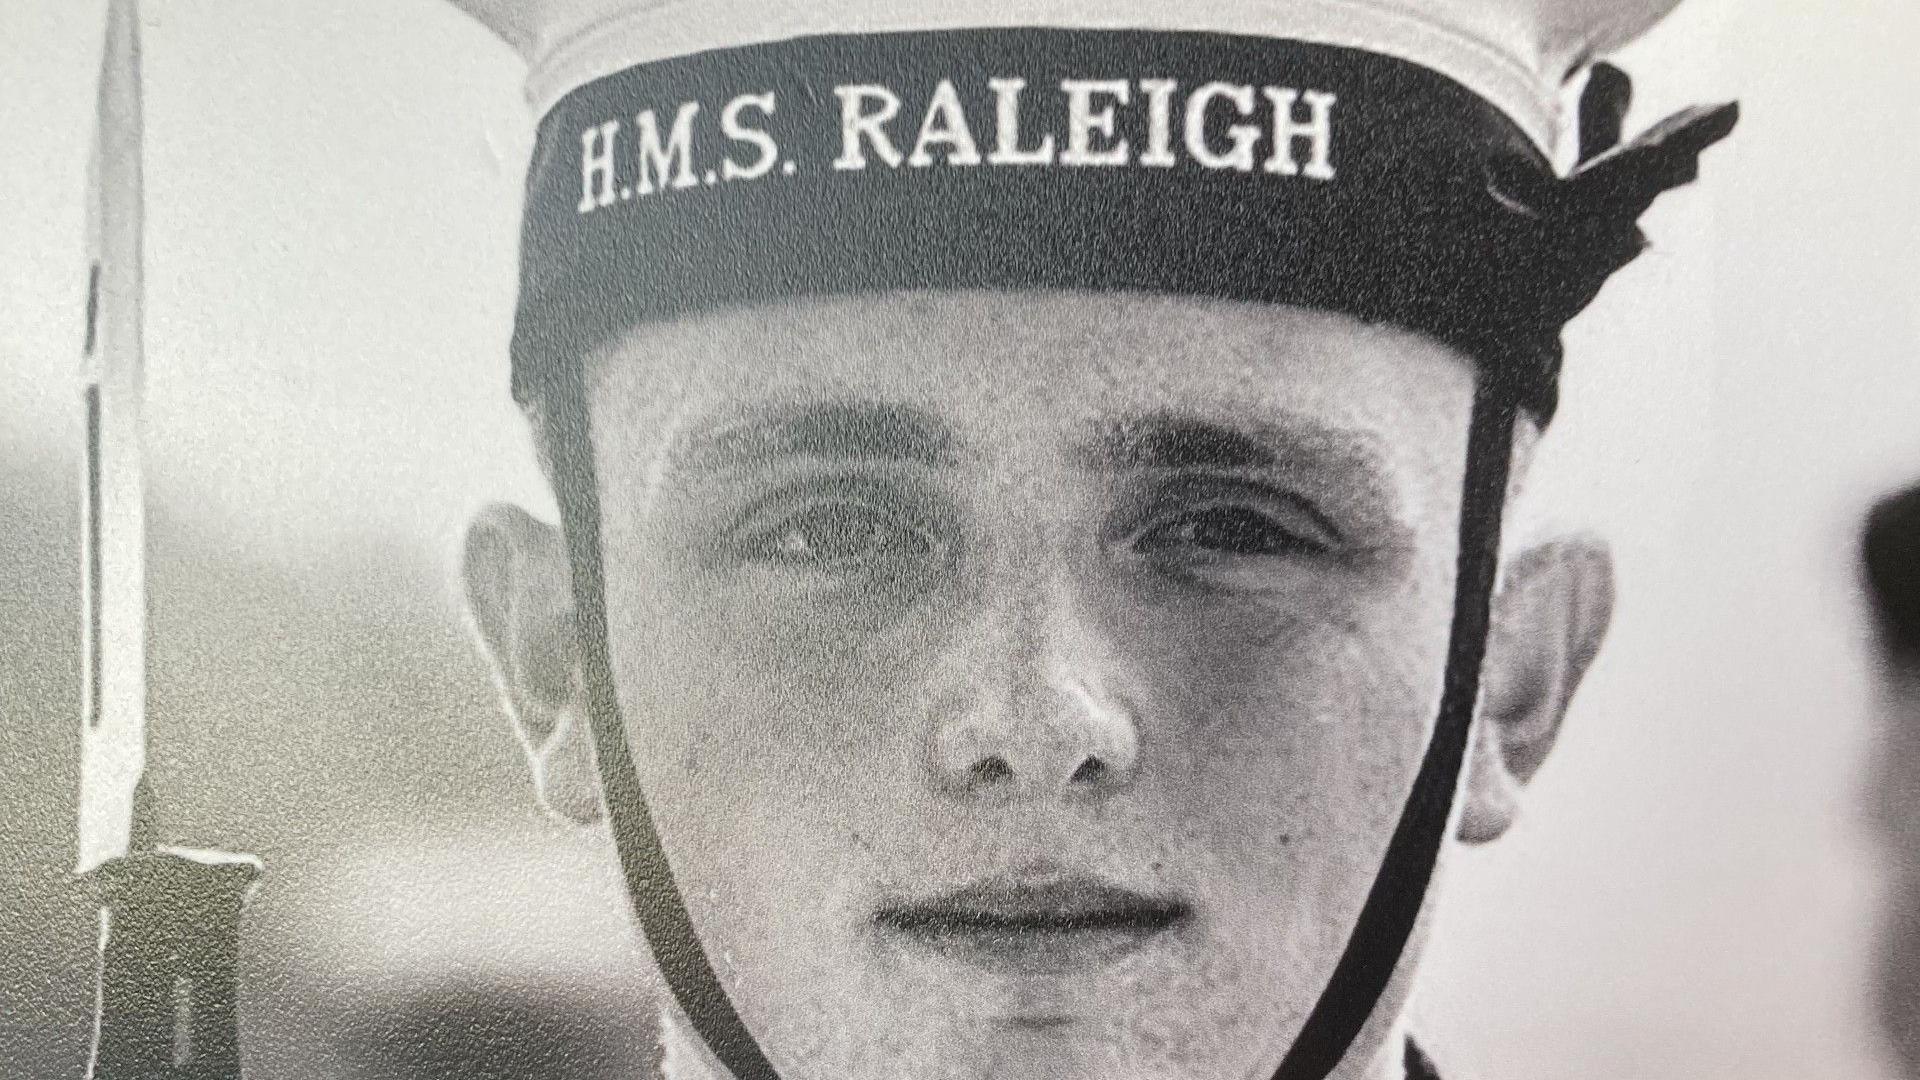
x,y
1892,555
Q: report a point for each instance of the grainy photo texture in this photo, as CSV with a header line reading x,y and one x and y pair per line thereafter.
x,y
961,541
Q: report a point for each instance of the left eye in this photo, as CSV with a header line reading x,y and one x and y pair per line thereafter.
x,y
843,534
1224,531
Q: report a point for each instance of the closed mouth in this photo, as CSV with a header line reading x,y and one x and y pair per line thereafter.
x,y
1048,925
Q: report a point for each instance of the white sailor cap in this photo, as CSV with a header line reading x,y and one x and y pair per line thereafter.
x,y
1518,54
695,155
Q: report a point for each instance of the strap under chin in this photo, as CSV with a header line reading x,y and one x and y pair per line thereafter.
x,y
656,899
1399,890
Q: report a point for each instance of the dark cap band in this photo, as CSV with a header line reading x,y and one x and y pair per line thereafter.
x,y
1206,165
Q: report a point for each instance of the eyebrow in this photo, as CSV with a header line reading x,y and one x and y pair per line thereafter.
x,y
827,430
1173,440
1342,467
1163,440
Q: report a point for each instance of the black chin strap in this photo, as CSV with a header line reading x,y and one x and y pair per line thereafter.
x,y
656,898
1393,905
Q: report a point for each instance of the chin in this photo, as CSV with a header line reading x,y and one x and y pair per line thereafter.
x,y
1040,1054
1048,1051
935,1037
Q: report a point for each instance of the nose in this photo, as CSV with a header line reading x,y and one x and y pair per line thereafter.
x,y
1032,706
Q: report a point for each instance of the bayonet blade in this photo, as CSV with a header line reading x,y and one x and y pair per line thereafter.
x,y
113,513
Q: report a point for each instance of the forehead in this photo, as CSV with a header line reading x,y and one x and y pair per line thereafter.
x,y
1007,370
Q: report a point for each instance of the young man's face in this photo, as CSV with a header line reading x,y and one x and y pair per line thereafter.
x,y
1028,685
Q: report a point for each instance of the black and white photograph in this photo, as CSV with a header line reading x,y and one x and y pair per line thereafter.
x,y
959,540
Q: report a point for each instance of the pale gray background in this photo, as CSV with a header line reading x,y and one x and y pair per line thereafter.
x,y
333,196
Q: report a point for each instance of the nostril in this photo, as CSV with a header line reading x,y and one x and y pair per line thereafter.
x,y
1090,771
990,770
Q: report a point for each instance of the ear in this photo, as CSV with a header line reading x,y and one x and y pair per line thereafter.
x,y
521,602
1549,619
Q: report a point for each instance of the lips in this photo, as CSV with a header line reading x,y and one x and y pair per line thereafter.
x,y
1033,925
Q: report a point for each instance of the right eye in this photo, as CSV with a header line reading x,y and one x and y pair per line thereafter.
x,y
842,534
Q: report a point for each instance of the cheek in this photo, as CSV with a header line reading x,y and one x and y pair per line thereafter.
x,y
1300,719
743,687
1340,658
761,729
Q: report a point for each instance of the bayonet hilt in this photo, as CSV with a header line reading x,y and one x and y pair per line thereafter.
x,y
169,953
